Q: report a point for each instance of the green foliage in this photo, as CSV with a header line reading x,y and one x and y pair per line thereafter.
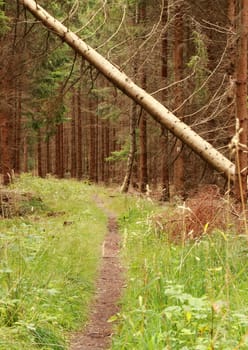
x,y
199,63
108,111
48,262
181,297
117,156
47,97
4,20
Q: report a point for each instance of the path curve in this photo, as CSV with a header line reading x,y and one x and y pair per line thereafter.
x,y
98,331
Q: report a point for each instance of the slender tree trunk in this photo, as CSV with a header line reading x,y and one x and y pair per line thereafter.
x,y
18,130
241,104
39,154
73,136
165,195
6,145
25,154
59,151
143,153
143,119
132,151
231,67
67,151
48,156
102,151
96,148
178,178
160,113
92,160
107,152
80,135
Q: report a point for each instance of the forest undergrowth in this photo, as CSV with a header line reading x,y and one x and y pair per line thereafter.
x,y
186,269
49,258
186,291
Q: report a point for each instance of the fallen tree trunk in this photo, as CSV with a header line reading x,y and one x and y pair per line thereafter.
x,y
160,113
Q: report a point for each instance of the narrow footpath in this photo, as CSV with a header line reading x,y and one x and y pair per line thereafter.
x,y
98,331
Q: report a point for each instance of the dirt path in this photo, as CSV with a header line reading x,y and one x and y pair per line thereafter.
x,y
97,333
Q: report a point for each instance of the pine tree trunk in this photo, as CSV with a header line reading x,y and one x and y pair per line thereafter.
x,y
241,105
96,148
60,151
143,120
143,153
160,113
80,135
6,145
231,64
73,136
107,152
25,154
164,142
92,160
132,150
48,156
39,154
18,128
178,178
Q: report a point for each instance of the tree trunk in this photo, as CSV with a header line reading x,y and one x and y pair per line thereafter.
x,y
107,152
93,142
143,152
60,151
143,121
231,64
39,154
241,105
18,129
164,143
5,145
48,155
80,135
160,113
178,176
73,136
25,154
132,150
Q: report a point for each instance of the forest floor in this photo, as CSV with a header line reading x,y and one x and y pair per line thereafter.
x,y
97,333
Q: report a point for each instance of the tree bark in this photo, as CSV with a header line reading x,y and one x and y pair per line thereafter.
x,y
164,143
160,113
178,178
73,135
6,164
241,105
80,135
18,128
39,153
93,142
143,119
60,150
132,150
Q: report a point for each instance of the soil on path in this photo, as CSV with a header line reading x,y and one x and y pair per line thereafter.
x,y
98,331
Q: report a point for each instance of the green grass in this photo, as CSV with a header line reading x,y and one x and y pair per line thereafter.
x,y
181,297
191,297
48,264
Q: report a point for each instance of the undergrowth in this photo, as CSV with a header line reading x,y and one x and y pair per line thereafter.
x,y
189,295
48,263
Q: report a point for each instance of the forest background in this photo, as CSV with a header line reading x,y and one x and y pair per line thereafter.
x,y
60,116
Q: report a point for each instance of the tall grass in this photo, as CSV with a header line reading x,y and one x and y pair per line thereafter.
x,y
48,264
182,296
